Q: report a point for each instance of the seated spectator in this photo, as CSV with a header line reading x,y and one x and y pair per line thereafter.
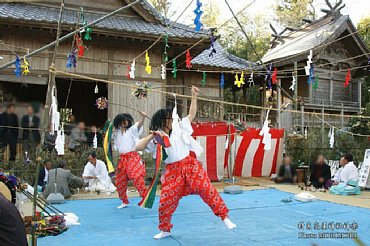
x,y
49,140
12,230
78,137
320,172
64,179
287,173
348,179
336,178
96,174
44,174
70,125
91,134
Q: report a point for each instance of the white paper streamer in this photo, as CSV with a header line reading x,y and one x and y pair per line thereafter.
x,y
309,62
95,142
265,132
132,70
53,113
163,71
59,142
331,137
292,86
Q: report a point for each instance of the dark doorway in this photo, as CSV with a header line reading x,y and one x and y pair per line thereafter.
x,y
81,100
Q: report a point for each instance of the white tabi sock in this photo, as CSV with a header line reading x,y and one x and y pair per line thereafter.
x,y
162,234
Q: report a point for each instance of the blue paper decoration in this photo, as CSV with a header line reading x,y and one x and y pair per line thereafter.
x,y
311,77
268,77
198,12
222,81
17,69
72,61
213,49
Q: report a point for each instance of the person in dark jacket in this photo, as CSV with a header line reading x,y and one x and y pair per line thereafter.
x,y
44,174
320,172
91,134
9,130
287,173
49,140
12,232
31,136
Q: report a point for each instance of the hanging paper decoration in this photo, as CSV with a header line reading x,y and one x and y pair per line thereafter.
x,y
174,66
163,71
95,141
60,142
101,103
198,12
203,83
242,77
25,67
311,76
142,90
80,45
250,80
265,132
309,62
348,78
222,81
148,68
17,69
331,137
239,82
188,60
132,70
72,61
213,49
166,46
274,76
128,72
305,132
53,112
268,77
108,152
96,90
292,86
88,33
315,84
86,30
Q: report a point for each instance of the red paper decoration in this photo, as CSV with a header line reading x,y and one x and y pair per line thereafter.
x,y
274,76
348,78
188,59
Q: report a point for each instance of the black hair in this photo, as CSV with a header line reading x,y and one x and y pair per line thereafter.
x,y
93,154
120,118
46,161
348,157
62,164
10,105
158,121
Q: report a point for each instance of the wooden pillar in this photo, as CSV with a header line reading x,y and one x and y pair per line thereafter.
x,y
341,116
302,119
295,92
278,105
322,127
331,86
359,93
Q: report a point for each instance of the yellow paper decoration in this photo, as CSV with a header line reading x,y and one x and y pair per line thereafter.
x,y
238,82
148,68
25,67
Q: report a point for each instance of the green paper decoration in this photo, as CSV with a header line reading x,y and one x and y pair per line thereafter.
x,y
166,46
174,66
316,82
88,33
203,83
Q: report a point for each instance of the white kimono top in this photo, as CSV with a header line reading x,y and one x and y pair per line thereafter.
x,y
99,171
349,172
126,142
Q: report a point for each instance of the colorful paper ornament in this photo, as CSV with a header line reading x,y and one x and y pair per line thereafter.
x,y
174,67
242,78
17,69
142,90
80,46
96,90
213,49
268,76
163,71
25,67
203,83
309,62
348,78
132,70
238,82
101,103
88,32
274,76
188,60
72,61
128,71
250,80
166,46
265,132
148,68
331,137
222,81
311,76
198,13
95,141
292,86
315,84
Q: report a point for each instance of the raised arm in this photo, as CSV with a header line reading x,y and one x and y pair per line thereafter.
x,y
193,105
141,122
141,145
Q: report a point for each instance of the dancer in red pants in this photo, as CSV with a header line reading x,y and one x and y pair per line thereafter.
x,y
130,165
183,174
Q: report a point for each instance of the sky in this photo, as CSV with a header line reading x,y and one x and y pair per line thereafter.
x,y
356,9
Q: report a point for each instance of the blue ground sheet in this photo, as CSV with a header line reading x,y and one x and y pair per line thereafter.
x,y
263,217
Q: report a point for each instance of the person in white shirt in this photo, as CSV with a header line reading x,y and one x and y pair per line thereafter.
x,y
336,178
130,165
96,175
183,174
348,178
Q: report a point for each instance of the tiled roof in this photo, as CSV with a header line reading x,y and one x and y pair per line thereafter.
x,y
221,59
46,14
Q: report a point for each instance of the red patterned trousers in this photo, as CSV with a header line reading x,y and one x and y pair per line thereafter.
x,y
183,178
130,167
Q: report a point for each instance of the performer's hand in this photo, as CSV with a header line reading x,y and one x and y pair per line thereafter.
x,y
143,114
194,91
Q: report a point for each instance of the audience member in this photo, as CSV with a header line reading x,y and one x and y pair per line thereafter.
x,y
287,173
320,172
78,137
64,179
31,137
70,125
44,174
49,140
91,134
9,130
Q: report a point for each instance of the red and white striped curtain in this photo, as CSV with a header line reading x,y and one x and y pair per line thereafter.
x,y
248,157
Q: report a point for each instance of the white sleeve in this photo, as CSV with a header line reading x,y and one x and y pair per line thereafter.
x,y
344,175
151,148
86,171
116,141
186,127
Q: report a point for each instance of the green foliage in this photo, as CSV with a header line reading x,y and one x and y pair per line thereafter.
x,y
363,28
291,12
211,15
162,6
